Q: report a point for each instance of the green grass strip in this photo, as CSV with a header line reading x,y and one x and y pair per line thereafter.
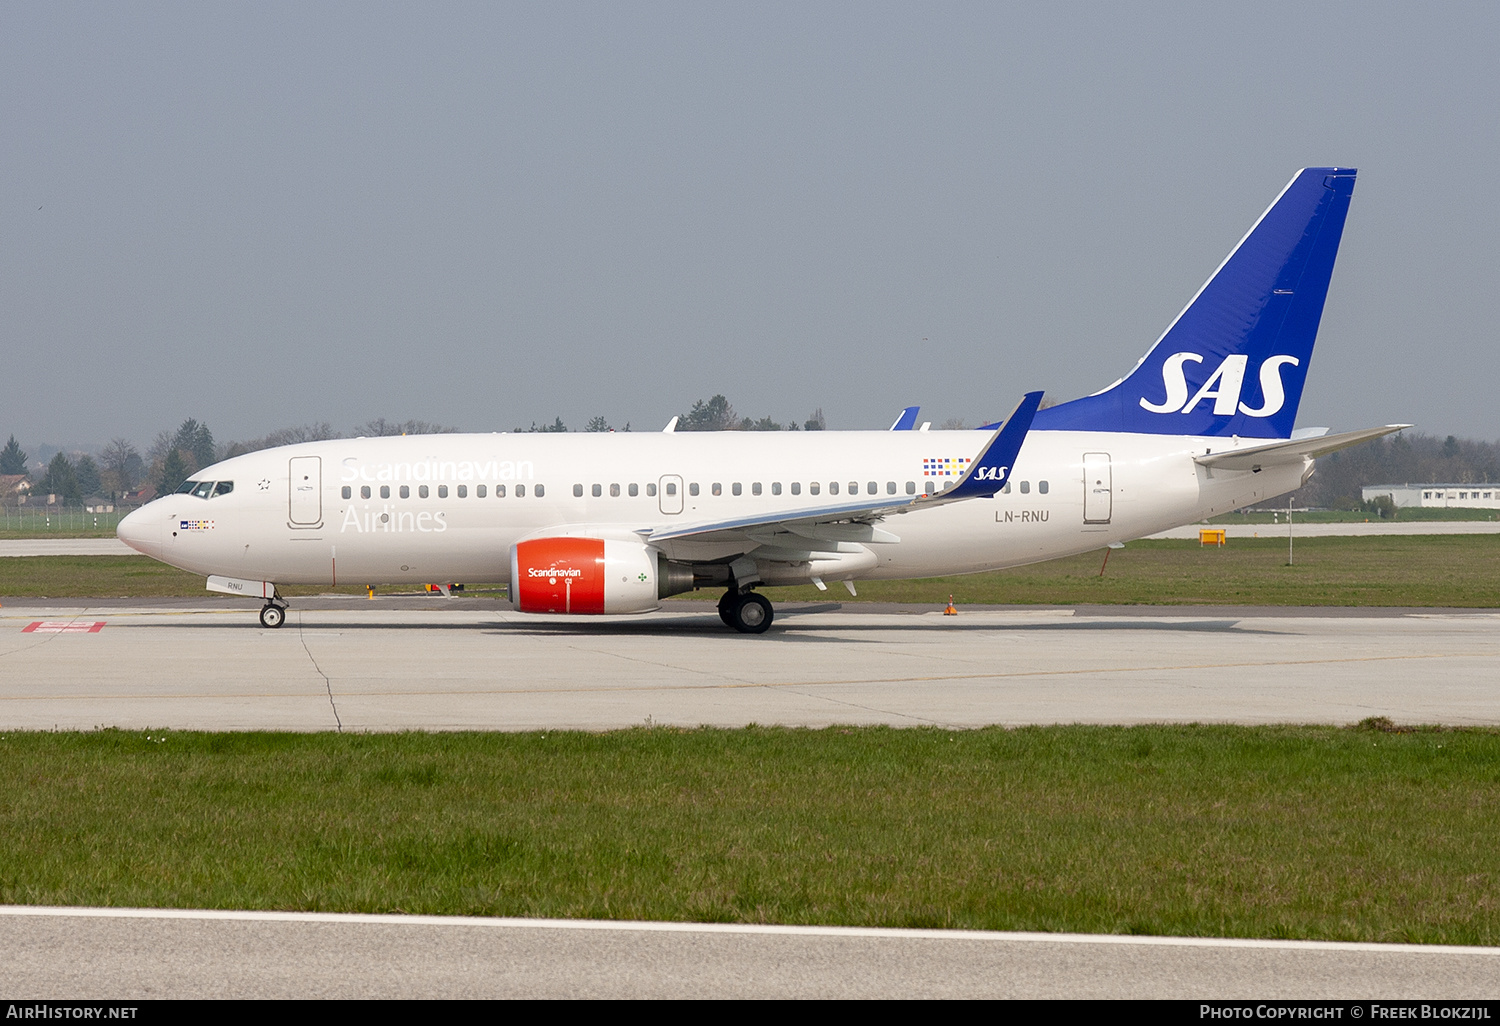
x,y
1416,570
1287,832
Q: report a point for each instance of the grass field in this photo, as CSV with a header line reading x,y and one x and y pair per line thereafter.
x,y
1417,570
1411,514
1311,832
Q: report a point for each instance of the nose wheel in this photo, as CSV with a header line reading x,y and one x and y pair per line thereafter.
x,y
746,612
272,615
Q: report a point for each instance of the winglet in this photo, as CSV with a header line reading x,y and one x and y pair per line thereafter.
x,y
908,419
671,427
991,469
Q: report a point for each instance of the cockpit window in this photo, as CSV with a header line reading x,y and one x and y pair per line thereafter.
x,y
204,489
223,487
187,487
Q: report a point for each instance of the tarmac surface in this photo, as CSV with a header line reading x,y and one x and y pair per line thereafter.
x,y
344,663
131,954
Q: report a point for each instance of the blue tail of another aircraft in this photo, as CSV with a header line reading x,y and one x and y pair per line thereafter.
x,y
1234,361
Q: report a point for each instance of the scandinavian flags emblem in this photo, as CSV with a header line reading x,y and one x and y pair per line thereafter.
x,y
946,466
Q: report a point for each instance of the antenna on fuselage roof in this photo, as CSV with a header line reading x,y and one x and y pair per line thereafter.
x,y
671,427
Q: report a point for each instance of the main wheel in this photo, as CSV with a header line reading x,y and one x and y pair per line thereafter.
x,y
726,608
751,614
272,616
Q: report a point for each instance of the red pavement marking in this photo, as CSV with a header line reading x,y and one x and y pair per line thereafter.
x,y
64,627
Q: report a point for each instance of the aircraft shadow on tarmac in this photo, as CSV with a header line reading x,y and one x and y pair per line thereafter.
x,y
786,628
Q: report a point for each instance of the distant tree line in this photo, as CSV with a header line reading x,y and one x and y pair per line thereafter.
x,y
118,471
1398,459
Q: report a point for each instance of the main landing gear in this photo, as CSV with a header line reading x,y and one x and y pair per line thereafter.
x,y
273,613
745,611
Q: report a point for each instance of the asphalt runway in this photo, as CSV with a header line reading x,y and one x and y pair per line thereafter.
x,y
430,664
145,954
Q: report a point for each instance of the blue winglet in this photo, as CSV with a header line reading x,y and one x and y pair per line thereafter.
x,y
908,419
991,469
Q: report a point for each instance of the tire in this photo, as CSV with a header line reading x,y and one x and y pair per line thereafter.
x,y
272,616
751,614
726,608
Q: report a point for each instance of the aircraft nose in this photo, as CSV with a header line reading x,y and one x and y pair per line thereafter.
x,y
141,532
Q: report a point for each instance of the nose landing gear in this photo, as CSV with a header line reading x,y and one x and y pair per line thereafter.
x,y
745,611
273,613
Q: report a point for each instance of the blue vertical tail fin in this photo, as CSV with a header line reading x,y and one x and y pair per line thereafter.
x,y
1234,361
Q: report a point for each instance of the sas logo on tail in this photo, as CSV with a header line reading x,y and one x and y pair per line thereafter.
x,y
1223,386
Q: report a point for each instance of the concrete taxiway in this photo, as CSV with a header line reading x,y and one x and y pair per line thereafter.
x,y
147,953
414,664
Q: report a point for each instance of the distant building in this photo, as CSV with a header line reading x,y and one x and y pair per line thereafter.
x,y
1437,496
13,488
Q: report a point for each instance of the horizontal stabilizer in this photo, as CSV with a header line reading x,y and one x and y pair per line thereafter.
x,y
1280,453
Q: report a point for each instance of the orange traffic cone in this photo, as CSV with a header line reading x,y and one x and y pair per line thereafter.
x,y
950,611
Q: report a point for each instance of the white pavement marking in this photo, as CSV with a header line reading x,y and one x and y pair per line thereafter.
x,y
653,926
65,547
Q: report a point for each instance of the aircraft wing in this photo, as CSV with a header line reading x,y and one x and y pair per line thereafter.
x,y
853,521
1278,453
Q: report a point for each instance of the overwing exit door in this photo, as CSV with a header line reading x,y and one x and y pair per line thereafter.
x,y
669,494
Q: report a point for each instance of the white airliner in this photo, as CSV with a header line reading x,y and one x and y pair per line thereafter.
x,y
613,523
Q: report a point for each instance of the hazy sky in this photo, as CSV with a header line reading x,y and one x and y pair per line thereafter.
x,y
487,214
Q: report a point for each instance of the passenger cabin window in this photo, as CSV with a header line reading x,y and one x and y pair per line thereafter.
x,y
347,492
1041,486
421,491
578,491
442,491
775,487
1025,487
692,488
364,491
463,491
813,487
873,488
755,488
736,488
717,489
635,490
539,490
833,487
596,491
671,487
651,489
853,487
479,491
911,488
385,491
499,491
890,488
405,492
614,491
796,487
929,487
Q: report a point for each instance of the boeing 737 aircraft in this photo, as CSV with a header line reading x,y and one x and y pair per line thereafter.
x,y
613,523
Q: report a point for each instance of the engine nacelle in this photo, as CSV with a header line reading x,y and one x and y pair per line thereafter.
x,y
592,575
